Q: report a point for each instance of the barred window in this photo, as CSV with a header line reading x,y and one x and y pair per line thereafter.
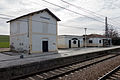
x,y
90,41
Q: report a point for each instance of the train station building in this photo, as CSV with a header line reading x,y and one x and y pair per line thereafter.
x,y
70,41
96,40
35,32
91,40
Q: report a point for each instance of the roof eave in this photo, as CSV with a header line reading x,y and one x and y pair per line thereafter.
x,y
36,12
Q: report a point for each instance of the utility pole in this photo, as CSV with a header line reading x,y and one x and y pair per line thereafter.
x,y
106,31
85,37
106,27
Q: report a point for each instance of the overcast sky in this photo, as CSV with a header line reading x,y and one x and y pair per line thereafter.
x,y
70,20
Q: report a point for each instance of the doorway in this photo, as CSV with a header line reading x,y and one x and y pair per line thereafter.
x,y
78,43
69,43
45,46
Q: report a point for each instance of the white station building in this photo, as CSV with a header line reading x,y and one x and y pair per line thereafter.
x,y
92,40
35,32
96,40
70,41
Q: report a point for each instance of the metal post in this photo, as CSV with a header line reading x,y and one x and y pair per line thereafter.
x,y
106,27
85,37
106,31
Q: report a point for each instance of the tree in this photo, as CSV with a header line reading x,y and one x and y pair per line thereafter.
x,y
112,33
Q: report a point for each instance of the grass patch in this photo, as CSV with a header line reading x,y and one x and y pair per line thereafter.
x,y
4,41
4,44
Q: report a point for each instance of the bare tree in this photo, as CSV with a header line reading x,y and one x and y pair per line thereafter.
x,y
112,33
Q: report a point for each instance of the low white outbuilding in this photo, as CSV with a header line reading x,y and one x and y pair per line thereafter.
x,y
96,40
70,41
35,32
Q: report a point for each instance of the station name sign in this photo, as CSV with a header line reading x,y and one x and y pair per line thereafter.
x,y
44,18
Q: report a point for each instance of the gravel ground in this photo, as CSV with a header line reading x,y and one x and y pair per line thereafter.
x,y
94,72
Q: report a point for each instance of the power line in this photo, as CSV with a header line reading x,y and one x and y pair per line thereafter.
x,y
5,18
53,24
81,8
78,27
50,23
6,15
63,8
85,10
72,11
113,26
69,3
116,17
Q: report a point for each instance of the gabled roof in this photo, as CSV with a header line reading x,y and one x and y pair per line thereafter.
x,y
70,35
46,9
95,36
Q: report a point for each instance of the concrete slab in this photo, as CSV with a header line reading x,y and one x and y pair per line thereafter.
x,y
77,51
6,57
8,60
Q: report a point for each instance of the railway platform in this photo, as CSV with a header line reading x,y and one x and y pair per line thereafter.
x,y
12,66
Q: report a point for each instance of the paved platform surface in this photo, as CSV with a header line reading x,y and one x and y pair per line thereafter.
x,y
8,59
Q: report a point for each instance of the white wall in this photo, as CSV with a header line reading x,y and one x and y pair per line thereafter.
x,y
19,34
37,43
63,42
95,42
81,42
44,29
38,26
41,29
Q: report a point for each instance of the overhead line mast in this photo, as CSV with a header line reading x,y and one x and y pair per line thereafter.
x,y
106,27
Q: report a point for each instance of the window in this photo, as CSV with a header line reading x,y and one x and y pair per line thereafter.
x,y
83,39
99,41
45,27
18,27
74,42
90,41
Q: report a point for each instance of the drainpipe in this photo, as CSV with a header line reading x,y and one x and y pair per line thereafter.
x,y
85,37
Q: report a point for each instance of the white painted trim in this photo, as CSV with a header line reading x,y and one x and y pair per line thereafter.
x,y
38,33
18,34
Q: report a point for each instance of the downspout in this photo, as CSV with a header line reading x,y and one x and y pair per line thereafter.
x,y
56,36
30,33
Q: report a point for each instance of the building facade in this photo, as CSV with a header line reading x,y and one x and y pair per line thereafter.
x,y
35,32
70,41
95,40
92,40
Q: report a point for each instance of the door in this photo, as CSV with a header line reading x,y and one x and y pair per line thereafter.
x,y
45,46
109,42
78,43
105,42
69,43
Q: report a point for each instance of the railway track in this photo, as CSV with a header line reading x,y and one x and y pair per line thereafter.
x,y
112,75
57,73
